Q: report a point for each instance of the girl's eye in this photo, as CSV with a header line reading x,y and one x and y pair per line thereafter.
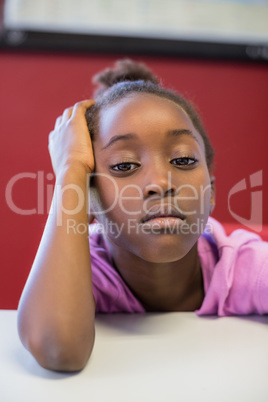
x,y
187,161
124,167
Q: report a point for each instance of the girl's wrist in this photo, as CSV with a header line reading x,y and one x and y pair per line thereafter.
x,y
73,172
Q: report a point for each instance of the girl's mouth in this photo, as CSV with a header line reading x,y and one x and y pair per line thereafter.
x,y
163,216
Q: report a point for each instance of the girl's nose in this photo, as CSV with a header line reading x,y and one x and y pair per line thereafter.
x,y
159,185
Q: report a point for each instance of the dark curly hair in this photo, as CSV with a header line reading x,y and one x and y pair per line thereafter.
x,y
128,77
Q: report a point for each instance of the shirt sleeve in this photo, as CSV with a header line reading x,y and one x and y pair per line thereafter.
x,y
248,293
237,282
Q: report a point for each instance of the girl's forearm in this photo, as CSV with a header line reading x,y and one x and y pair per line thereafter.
x,y
56,311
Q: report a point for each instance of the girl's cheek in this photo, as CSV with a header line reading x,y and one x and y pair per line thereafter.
x,y
106,187
194,201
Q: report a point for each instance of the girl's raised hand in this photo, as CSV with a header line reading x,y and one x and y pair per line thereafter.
x,y
70,142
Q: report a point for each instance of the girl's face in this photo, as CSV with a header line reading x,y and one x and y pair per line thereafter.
x,y
151,191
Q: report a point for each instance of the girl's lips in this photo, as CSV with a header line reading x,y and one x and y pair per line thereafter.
x,y
163,213
169,223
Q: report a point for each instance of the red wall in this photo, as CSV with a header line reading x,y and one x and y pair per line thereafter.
x,y
35,88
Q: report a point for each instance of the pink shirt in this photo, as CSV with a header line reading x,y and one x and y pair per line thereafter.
x,y
235,274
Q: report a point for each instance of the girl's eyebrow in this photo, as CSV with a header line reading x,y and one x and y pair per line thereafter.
x,y
131,136
123,137
183,131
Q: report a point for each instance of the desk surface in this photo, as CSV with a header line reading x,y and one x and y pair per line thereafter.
x,y
148,357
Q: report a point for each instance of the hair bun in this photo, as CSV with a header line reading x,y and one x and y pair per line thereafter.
x,y
124,70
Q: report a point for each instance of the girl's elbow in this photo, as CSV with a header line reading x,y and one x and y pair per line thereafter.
x,y
53,346
61,355
61,361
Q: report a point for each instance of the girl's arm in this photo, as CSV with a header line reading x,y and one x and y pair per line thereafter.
x,y
57,310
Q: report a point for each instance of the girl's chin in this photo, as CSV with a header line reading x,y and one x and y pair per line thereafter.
x,y
158,258
164,249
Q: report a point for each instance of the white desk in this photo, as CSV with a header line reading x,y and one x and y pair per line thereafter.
x,y
153,357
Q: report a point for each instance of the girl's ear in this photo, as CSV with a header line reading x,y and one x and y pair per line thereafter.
x,y
212,194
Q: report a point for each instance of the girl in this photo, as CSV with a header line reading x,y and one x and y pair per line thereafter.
x,y
153,246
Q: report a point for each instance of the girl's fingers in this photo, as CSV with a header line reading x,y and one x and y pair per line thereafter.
x,y
80,108
64,117
67,114
58,122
